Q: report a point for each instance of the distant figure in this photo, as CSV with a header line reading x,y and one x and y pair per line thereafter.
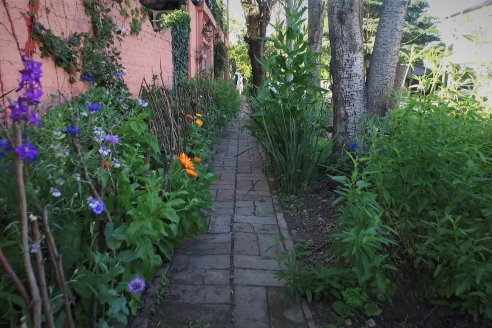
x,y
240,84
236,77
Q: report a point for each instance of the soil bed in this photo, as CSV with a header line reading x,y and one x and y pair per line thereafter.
x,y
310,218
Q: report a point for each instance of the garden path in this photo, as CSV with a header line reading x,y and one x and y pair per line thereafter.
x,y
226,278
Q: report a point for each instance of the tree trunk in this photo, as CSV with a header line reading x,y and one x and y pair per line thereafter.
x,y
384,59
401,74
315,34
257,14
347,68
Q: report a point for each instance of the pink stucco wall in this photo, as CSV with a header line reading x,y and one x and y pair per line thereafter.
x,y
200,16
142,56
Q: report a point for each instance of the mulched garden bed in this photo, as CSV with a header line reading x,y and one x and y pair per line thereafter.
x,y
310,217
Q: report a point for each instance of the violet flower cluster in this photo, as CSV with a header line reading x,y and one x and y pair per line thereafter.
x,y
24,108
96,205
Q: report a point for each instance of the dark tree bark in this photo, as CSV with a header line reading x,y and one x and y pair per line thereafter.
x,y
384,59
257,14
347,67
315,34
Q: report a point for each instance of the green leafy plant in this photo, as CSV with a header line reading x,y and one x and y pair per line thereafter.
x,y
438,194
64,53
220,59
287,112
179,23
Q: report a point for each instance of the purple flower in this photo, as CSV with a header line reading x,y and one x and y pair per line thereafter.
x,y
55,192
72,130
19,109
136,285
143,102
35,247
353,145
87,78
95,107
104,151
27,151
96,205
118,75
116,163
4,144
31,74
112,138
34,119
33,94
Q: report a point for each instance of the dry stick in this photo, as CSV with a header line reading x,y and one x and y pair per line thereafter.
x,y
20,287
24,223
36,237
60,275
93,189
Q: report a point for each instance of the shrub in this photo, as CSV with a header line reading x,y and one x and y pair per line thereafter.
x,y
287,112
430,165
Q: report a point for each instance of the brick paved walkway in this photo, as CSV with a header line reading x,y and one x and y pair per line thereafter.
x,y
226,278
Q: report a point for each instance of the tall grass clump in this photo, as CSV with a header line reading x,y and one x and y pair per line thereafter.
x,y
288,109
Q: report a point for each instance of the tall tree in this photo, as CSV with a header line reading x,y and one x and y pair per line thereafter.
x,y
350,90
257,14
315,34
347,68
384,59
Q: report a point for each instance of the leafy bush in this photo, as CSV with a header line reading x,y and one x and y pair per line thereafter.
x,y
115,208
287,113
431,167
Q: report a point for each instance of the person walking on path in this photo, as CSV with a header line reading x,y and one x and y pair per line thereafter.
x,y
227,277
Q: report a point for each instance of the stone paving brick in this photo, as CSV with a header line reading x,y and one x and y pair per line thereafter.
x,y
177,315
245,210
246,243
193,294
255,262
181,262
255,219
251,277
199,276
270,244
255,227
251,308
264,209
225,195
219,224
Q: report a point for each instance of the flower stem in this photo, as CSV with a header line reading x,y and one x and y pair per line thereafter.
x,y
60,275
36,236
20,287
24,225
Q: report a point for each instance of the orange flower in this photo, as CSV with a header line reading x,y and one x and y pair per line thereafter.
x,y
189,117
199,122
185,161
199,115
107,165
197,159
192,173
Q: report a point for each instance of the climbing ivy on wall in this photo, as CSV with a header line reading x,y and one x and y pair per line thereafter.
x,y
179,23
99,58
63,52
220,59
